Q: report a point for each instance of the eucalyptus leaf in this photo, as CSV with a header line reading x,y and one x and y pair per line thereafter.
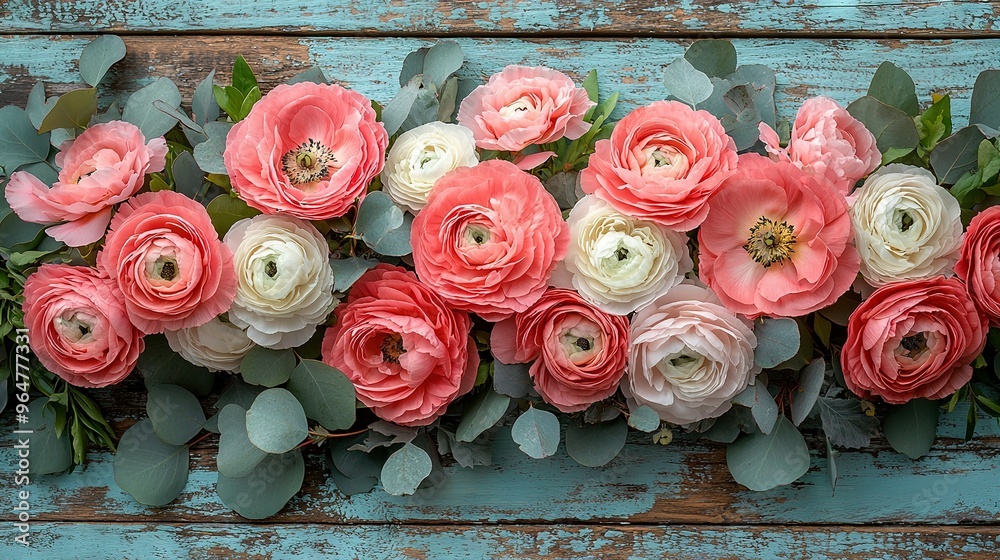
x,y
37,106
891,127
313,74
175,412
49,452
442,60
383,226
911,428
326,394
804,397
99,56
764,461
188,177
159,364
985,109
481,414
714,57
276,422
140,111
726,427
764,409
893,86
536,432
270,368
268,487
238,392
405,469
237,457
347,271
203,104
778,340
398,108
644,419
687,83
956,155
831,465
154,473
20,144
423,110
512,380
72,110
595,445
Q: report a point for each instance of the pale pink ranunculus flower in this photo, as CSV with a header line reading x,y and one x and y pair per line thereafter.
x,y
165,258
777,242
308,150
662,163
408,354
488,239
912,340
828,141
103,166
78,327
525,105
577,352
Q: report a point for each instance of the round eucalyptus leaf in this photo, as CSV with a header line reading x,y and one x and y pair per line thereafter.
x,y
810,382
158,364
405,469
482,414
762,461
644,419
777,341
911,428
151,471
176,414
267,488
270,368
536,432
237,457
276,422
326,394
99,56
595,445
49,453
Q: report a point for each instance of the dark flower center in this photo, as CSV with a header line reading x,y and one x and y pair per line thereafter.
x,y
770,242
583,344
309,162
914,345
271,269
392,348
165,268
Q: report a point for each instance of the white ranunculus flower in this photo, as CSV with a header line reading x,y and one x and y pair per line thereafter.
x,y
620,263
217,345
906,226
420,156
284,279
689,356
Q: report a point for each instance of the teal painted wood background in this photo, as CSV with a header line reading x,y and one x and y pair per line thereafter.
x,y
676,501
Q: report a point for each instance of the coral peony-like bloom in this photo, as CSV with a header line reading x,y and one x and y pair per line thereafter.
x,y
408,355
522,105
285,282
421,156
906,226
662,163
979,264
777,242
103,166
689,356
578,352
217,345
620,263
828,141
489,239
78,326
912,340
163,254
306,149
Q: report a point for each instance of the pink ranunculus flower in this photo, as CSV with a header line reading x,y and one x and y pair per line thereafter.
x,y
488,239
662,163
78,326
777,242
828,141
165,258
524,105
979,264
578,352
912,340
103,166
408,354
309,150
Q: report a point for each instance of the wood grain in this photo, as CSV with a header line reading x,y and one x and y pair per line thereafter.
x,y
626,18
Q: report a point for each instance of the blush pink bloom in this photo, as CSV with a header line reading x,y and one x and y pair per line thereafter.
x,y
662,163
488,239
309,150
828,141
78,327
777,242
165,258
103,166
979,264
522,106
577,352
408,355
913,340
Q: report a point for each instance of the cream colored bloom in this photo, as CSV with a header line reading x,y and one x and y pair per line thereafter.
x,y
420,156
620,263
906,226
284,280
217,345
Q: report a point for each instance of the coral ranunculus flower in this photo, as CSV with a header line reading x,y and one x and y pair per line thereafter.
x,y
408,355
912,340
979,264
306,149
489,239
777,242
662,163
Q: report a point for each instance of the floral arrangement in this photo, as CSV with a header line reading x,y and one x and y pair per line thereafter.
x,y
391,284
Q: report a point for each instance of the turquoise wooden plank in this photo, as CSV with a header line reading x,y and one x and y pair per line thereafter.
x,y
435,17
392,542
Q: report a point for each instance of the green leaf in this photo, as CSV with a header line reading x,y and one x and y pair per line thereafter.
x,y
726,427
448,100
37,106
267,488
203,104
536,432
158,364
934,124
413,65
985,107
176,414
512,380
910,428
48,452
804,397
355,472
398,108
251,99
326,394
313,74
347,271
956,155
424,110
188,177
383,226
139,109
831,465
893,86
764,461
19,142
276,422
72,110
687,83
270,368
845,423
891,127
442,60
226,210
764,409
151,471
481,414
243,78
595,445
237,457
715,57
208,154
238,392
778,340
405,469
644,419
99,56
894,154
590,85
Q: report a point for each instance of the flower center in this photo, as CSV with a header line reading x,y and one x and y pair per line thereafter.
x,y
271,269
309,162
914,345
74,328
165,268
680,367
770,242
904,221
519,106
392,348
477,234
621,254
